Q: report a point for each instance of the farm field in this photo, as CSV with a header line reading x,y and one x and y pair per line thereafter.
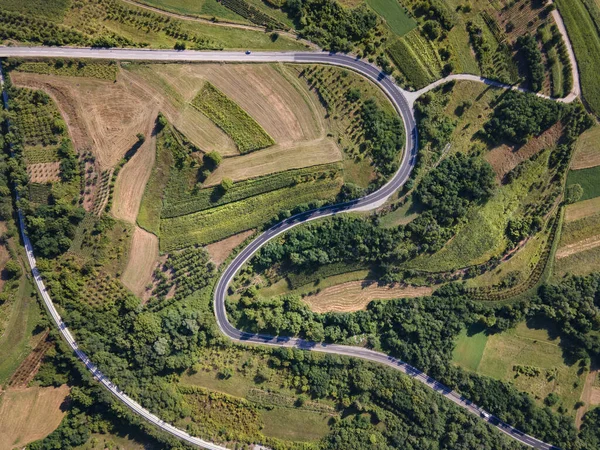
x,y
27,415
141,261
416,59
275,159
220,251
243,129
203,8
53,10
504,355
579,247
226,220
356,295
394,15
585,38
587,150
587,179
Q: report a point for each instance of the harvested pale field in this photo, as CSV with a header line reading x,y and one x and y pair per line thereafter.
x,y
587,150
595,396
582,209
260,90
103,115
505,157
143,255
132,179
577,247
43,172
27,415
219,251
356,295
202,132
277,158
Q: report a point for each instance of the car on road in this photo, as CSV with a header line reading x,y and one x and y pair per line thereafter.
x,y
248,52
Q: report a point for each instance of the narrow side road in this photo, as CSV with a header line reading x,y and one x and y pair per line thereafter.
x,y
402,102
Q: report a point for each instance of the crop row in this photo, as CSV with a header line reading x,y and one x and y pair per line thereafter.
x,y
405,53
218,223
39,193
102,70
39,154
247,134
212,197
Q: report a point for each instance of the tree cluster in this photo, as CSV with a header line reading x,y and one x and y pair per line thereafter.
x,y
533,58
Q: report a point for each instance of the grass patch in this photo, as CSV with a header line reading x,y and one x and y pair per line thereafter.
x,y
394,15
402,215
22,316
532,346
227,220
247,134
469,348
582,263
583,34
588,179
295,424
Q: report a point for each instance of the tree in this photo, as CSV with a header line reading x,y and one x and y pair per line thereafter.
x,y
226,184
12,269
573,193
141,137
213,159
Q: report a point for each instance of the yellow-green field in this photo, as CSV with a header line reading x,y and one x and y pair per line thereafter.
x,y
527,346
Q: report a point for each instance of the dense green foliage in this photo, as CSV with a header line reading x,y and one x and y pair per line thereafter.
x,y
533,57
247,134
517,117
384,135
330,25
450,188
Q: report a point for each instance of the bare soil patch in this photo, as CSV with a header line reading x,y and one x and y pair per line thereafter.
x,y
44,172
27,415
202,132
577,247
583,209
595,396
505,157
143,255
356,295
219,251
277,158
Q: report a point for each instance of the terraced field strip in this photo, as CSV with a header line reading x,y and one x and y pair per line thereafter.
x,y
356,295
582,209
276,159
587,149
581,246
416,59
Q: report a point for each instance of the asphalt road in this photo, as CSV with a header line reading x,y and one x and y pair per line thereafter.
x,y
402,104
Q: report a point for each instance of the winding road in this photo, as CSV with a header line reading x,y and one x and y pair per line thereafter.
x,y
403,103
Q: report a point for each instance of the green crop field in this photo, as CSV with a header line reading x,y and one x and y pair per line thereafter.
x,y
247,134
394,14
416,59
103,70
186,203
584,36
226,220
40,154
588,179
205,8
